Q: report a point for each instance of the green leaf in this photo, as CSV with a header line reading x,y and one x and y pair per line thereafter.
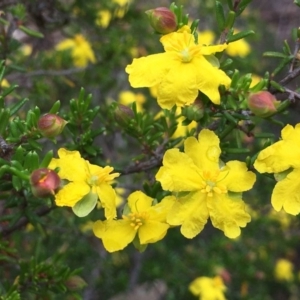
x,y
240,35
83,207
274,54
31,32
220,15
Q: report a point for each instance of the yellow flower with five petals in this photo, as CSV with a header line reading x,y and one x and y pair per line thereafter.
x,y
83,179
180,72
204,188
284,156
145,221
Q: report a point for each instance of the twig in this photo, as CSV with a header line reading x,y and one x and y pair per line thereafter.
x,y
297,45
290,76
152,163
24,221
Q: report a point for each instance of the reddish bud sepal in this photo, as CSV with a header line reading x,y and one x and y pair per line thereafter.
x,y
263,104
44,182
162,19
51,125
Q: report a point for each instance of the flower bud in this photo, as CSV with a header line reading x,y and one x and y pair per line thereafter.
x,y
194,112
51,125
44,182
262,104
123,114
75,283
162,19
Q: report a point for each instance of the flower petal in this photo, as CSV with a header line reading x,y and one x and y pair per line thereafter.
x,y
286,193
178,172
72,166
139,202
107,196
205,151
71,193
159,211
115,234
152,231
237,178
228,215
204,77
207,50
191,212
149,71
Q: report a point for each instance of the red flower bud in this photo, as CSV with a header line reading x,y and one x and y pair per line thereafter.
x,y
44,182
51,125
162,19
262,104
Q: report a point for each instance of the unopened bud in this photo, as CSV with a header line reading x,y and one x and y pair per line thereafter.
x,y
51,125
195,111
162,19
44,182
123,114
263,104
75,283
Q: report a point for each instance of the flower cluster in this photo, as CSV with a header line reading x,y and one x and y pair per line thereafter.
x,y
282,158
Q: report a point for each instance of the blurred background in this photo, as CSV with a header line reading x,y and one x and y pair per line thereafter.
x,y
88,44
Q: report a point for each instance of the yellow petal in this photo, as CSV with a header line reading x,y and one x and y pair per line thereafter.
x,y
152,231
178,173
72,166
115,235
207,50
286,193
179,86
205,151
107,196
278,157
159,211
149,71
191,212
204,80
71,193
237,177
139,202
228,215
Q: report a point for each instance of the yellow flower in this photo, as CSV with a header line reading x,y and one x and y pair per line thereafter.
x,y
84,179
4,83
284,155
103,18
284,270
128,97
144,220
81,50
206,37
238,48
209,190
180,72
208,288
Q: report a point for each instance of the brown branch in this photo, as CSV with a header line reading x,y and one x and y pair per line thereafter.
x,y
24,221
143,166
290,76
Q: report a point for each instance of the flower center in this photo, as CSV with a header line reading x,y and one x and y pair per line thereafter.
x,y
185,55
211,185
136,219
102,175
